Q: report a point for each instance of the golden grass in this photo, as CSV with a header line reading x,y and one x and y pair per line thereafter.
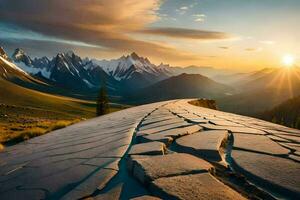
x,y
60,124
25,135
17,133
206,103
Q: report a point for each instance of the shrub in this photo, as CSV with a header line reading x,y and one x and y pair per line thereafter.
x,y
59,125
25,135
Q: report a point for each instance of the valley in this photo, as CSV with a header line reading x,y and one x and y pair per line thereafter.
x,y
42,94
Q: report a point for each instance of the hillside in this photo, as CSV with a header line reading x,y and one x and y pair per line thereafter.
x,y
262,91
287,113
181,86
277,78
12,94
26,113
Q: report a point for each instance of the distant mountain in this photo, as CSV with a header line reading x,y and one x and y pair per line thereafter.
x,y
210,72
181,86
274,78
287,113
240,79
262,91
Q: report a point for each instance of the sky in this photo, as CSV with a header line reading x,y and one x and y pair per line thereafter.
x,y
242,35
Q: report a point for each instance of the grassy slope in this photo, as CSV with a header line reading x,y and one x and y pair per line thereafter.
x,y
12,94
26,113
287,113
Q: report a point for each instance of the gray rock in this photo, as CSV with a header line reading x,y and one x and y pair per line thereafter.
x,y
258,143
146,197
163,128
204,144
233,129
151,168
151,148
169,135
192,187
273,173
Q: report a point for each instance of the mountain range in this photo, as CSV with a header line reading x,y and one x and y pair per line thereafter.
x,y
134,79
68,70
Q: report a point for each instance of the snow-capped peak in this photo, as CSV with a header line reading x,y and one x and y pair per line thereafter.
x,y
20,56
123,67
12,65
3,53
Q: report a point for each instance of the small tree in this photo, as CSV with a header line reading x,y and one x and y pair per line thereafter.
x,y
297,124
102,102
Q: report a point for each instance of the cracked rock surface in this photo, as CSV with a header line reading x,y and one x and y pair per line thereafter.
x,y
164,150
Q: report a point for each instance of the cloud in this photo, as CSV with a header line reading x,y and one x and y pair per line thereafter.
x,y
184,8
188,33
267,42
223,47
253,49
91,22
199,17
110,25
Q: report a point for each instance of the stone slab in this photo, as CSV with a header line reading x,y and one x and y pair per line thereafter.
x,y
276,174
161,123
169,135
193,187
150,148
233,129
204,144
163,128
258,143
151,168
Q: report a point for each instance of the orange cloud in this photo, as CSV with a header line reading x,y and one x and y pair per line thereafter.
x,y
188,33
105,23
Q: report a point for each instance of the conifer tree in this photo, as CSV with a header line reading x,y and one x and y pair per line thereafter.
x,y
102,101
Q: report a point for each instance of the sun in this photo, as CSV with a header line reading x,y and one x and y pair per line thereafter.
x,y
288,60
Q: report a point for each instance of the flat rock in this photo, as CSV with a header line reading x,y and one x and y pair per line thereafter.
x,y
169,135
146,197
113,194
233,129
276,174
258,143
277,139
92,183
292,138
163,128
192,187
225,123
148,121
150,148
161,123
205,144
151,168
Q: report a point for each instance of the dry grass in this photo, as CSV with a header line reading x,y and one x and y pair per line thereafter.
x,y
206,103
19,131
59,125
22,123
25,135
